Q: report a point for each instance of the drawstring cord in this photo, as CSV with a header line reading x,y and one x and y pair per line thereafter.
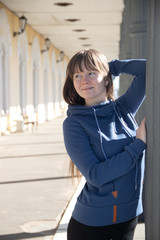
x,y
100,133
101,140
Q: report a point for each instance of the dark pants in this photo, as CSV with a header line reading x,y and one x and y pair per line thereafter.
x,y
120,231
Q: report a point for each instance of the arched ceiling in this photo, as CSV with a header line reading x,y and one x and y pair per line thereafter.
x,y
81,24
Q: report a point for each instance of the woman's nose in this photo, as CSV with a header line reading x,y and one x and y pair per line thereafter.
x,y
85,79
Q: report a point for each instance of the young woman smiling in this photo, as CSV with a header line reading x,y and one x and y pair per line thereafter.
x,y
106,145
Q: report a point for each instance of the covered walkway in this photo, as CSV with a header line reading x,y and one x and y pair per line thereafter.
x,y
37,38
33,64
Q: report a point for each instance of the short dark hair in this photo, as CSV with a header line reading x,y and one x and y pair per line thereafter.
x,y
92,60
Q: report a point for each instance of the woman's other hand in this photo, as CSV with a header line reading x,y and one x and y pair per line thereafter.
x,y
141,131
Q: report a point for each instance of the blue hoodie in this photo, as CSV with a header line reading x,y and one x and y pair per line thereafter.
x,y
101,141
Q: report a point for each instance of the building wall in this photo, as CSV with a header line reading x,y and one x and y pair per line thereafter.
x,y
30,81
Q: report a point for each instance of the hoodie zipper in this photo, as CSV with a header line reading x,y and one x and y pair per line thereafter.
x,y
100,134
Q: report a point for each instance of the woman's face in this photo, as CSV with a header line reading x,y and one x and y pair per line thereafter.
x,y
90,85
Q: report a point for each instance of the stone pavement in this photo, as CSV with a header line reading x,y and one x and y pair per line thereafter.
x,y
34,184
35,188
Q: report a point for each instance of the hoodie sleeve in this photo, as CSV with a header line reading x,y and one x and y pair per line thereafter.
x,y
96,172
135,94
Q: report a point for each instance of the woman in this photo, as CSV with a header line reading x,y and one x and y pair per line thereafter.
x,y
103,141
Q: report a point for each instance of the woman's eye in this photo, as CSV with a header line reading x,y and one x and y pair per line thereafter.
x,y
92,73
77,76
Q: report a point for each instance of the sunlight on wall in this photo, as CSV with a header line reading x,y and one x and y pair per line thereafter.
x,y
32,81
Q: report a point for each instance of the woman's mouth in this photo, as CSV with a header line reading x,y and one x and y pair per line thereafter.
x,y
87,88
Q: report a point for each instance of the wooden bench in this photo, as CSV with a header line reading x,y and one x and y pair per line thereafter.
x,y
30,120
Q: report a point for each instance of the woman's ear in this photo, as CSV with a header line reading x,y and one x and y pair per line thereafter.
x,y
106,81
106,84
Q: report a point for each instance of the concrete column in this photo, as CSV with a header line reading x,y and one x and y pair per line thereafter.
x,y
138,37
125,48
133,34
138,28
152,178
125,45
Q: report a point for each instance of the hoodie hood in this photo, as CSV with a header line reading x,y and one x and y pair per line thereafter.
x,y
103,109
106,109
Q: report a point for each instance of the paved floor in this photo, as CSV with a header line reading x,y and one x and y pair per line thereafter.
x,y
35,188
34,184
